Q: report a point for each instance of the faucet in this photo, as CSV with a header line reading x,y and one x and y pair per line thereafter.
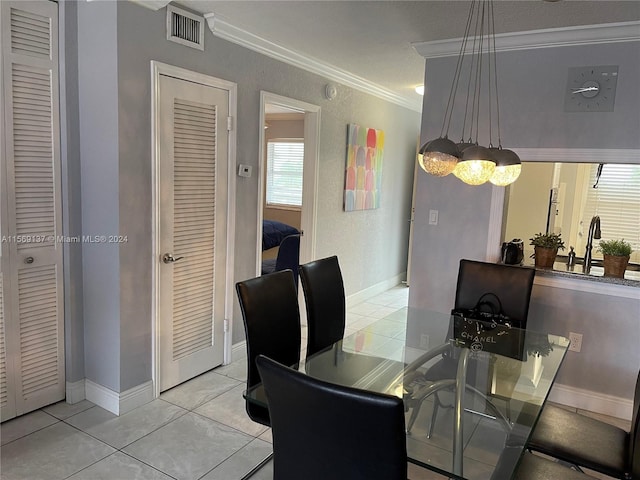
x,y
594,232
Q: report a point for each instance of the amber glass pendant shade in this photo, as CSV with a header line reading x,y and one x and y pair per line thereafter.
x,y
508,167
476,166
438,157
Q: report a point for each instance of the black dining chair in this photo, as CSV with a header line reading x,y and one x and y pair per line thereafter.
x,y
590,443
271,317
534,467
288,257
509,285
324,296
325,431
323,289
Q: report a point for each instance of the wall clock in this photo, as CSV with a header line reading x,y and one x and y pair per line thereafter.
x,y
591,89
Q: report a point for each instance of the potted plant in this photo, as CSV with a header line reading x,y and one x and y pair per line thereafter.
x,y
546,246
616,257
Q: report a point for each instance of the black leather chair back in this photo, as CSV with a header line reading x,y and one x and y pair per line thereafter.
x,y
511,284
324,431
271,317
324,295
289,256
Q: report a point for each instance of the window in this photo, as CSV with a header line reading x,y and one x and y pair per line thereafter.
x,y
284,172
617,202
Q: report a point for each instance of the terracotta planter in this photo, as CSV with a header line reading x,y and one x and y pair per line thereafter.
x,y
544,257
615,265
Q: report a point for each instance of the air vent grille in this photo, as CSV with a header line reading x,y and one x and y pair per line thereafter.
x,y
185,28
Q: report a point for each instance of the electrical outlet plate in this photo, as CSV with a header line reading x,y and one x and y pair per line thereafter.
x,y
575,340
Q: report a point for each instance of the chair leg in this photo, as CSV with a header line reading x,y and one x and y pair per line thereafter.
x,y
422,394
255,469
434,414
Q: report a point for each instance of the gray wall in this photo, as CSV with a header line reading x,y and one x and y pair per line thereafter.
x,y
117,41
610,359
532,86
98,133
72,219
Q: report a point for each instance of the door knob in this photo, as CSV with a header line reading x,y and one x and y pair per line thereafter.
x,y
169,258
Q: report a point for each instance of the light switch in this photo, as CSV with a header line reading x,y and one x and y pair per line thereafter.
x,y
244,170
433,217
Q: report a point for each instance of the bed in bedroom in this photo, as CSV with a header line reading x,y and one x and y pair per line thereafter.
x,y
274,232
280,247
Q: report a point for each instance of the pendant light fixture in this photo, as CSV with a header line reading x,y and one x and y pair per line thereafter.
x,y
469,161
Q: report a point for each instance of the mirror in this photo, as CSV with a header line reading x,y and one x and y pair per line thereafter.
x,y
563,197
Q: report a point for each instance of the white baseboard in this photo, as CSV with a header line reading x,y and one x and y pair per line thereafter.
x,y
136,397
239,351
74,392
373,290
119,403
592,401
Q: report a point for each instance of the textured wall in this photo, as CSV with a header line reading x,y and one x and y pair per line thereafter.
x,y
532,86
371,245
98,132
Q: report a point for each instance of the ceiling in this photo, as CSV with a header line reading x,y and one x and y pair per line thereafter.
x,y
373,39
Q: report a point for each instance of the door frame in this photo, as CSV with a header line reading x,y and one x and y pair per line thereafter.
x,y
310,175
158,69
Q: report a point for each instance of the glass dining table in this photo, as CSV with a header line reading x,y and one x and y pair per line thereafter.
x,y
472,390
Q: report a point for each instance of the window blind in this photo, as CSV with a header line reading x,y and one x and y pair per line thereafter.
x,y
284,172
617,202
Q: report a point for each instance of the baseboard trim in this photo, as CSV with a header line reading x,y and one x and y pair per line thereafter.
x,y
74,391
119,403
367,293
136,397
592,401
239,351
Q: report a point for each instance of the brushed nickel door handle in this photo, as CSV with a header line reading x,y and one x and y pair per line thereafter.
x,y
169,258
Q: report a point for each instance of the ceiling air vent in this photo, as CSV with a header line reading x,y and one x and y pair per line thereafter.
x,y
185,28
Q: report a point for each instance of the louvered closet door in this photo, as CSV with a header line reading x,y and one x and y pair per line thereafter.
x,y
193,228
33,355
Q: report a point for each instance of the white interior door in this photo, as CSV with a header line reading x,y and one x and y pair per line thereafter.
x,y
193,177
31,285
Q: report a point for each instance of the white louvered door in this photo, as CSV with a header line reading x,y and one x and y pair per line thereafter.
x,y
193,228
32,290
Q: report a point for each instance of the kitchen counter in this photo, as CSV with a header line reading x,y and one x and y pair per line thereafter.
x,y
560,269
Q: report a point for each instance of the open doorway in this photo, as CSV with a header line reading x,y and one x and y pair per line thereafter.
x,y
287,185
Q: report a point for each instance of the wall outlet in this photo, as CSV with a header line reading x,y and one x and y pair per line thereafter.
x,y
424,340
575,342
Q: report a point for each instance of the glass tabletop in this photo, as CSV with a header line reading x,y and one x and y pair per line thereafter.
x,y
424,357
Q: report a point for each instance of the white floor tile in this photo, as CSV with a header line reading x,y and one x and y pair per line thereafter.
x,y
122,430
201,389
119,466
53,453
24,425
189,447
229,409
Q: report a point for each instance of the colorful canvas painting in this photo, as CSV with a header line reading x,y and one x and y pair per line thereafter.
x,y
363,177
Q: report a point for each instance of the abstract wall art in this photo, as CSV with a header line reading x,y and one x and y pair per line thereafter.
x,y
363,177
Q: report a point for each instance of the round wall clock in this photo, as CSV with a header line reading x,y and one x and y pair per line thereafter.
x,y
591,89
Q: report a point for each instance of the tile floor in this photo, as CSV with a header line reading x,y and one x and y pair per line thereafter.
x,y
196,431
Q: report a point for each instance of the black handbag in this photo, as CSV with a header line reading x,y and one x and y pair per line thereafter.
x,y
485,327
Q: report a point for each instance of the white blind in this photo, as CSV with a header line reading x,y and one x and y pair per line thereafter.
x,y
617,202
284,172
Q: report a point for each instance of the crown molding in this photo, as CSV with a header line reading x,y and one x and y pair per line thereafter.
x,y
226,31
152,4
547,38
578,155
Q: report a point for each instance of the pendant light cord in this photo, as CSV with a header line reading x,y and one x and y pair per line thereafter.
x,y
456,77
495,68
